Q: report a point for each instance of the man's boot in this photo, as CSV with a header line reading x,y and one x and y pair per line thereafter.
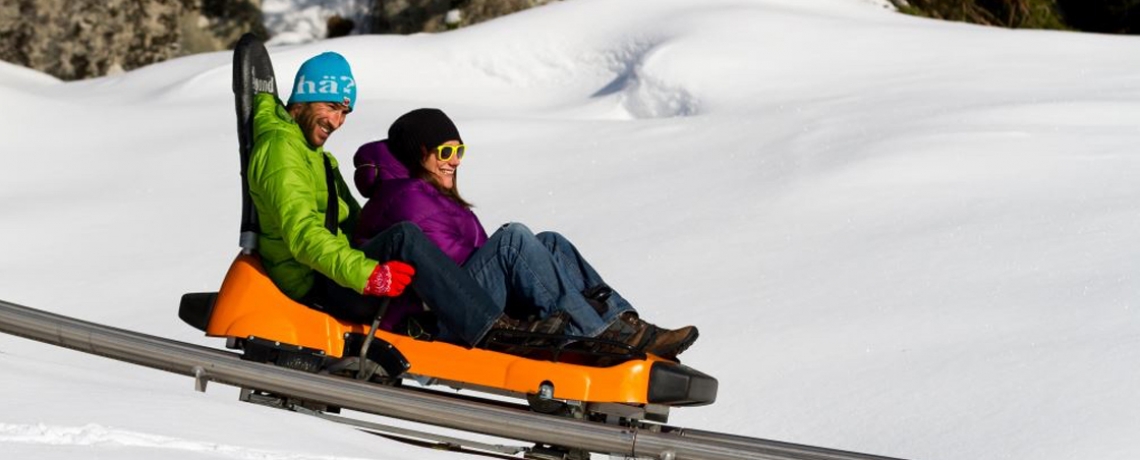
x,y
625,329
531,347
668,343
553,324
504,322
644,336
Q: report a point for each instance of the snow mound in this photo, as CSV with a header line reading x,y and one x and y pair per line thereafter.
x,y
641,91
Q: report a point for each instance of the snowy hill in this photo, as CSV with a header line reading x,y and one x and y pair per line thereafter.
x,y
898,236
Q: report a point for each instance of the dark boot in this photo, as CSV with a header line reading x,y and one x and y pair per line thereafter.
x,y
668,343
504,322
511,342
644,336
628,330
553,324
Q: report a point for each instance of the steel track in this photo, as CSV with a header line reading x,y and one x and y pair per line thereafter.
x,y
208,364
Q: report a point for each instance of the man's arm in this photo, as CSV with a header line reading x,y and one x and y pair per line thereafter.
x,y
286,189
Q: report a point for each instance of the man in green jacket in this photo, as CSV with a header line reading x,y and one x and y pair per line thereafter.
x,y
304,240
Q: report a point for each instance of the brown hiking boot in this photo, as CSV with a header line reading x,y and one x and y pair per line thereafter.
x,y
625,329
666,343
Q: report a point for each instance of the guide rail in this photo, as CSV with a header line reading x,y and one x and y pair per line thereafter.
x,y
212,365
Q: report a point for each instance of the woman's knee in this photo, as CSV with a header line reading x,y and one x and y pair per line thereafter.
x,y
516,228
516,234
551,239
515,237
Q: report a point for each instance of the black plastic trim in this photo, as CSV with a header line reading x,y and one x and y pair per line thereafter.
x,y
196,307
675,384
282,354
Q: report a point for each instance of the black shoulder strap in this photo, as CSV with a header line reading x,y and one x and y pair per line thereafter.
x,y
333,207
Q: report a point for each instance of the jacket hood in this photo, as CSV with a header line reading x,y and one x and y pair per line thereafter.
x,y
374,164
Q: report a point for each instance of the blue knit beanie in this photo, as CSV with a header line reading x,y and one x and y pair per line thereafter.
x,y
324,78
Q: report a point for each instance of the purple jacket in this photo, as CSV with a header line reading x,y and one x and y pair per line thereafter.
x,y
394,197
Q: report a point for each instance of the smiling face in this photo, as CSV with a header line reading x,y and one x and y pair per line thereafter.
x,y
318,120
442,173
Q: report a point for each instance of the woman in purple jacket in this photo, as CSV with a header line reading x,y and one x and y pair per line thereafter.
x,y
412,177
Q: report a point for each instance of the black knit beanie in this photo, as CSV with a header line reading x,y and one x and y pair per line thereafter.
x,y
426,127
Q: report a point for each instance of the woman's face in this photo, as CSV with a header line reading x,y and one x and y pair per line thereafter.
x,y
442,172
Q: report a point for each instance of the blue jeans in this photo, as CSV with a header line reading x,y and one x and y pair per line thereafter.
x,y
463,308
543,270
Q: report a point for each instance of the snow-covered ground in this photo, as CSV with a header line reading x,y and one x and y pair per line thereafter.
x,y
898,236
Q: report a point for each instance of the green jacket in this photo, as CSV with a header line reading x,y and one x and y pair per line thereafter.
x,y
288,188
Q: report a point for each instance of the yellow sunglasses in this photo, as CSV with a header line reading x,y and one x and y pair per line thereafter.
x,y
445,152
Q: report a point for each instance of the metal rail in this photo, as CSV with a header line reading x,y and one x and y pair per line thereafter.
x,y
207,364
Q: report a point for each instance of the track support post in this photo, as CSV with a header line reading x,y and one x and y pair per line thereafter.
x,y
200,379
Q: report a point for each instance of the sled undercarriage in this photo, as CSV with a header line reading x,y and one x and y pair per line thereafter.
x,y
385,366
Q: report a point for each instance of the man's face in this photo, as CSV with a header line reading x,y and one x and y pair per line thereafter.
x,y
318,120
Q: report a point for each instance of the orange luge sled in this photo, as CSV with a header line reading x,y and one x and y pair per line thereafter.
x,y
250,309
267,326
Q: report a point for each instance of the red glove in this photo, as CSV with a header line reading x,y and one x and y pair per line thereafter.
x,y
389,279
